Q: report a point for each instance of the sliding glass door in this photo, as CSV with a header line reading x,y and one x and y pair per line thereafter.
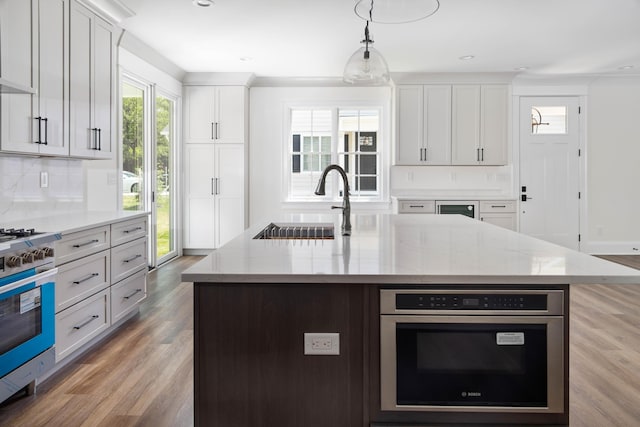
x,y
165,213
149,121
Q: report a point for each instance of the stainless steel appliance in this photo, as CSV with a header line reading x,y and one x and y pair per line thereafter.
x,y
457,207
27,305
467,350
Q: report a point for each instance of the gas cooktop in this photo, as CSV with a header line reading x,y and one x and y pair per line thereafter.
x,y
16,233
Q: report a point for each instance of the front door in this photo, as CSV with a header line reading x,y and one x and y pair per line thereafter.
x,y
549,169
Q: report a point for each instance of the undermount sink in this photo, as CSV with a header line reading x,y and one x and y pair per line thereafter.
x,y
297,230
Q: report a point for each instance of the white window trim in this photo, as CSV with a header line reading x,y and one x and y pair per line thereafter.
x,y
380,202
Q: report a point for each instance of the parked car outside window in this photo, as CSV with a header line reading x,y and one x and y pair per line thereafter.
x,y
130,182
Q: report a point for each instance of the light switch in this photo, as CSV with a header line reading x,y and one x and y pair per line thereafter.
x,y
44,179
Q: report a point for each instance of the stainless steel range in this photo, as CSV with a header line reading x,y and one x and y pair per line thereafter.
x,y
27,305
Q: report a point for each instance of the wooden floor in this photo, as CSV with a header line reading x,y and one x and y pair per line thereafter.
x,y
143,374
140,376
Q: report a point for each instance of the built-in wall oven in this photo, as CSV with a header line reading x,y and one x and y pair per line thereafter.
x,y
462,350
458,207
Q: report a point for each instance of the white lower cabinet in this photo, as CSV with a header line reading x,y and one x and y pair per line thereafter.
x,y
128,258
126,295
497,212
102,278
82,322
501,213
82,278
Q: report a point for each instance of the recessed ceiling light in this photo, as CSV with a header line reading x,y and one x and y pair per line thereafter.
x,y
466,57
521,68
203,3
246,58
625,67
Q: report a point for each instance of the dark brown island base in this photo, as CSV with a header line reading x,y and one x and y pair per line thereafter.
x,y
410,321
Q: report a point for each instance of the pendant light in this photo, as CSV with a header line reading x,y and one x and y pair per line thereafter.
x,y
366,65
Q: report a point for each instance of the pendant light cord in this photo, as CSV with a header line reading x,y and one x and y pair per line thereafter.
x,y
366,32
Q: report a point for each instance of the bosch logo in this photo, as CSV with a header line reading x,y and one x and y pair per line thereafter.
x,y
471,394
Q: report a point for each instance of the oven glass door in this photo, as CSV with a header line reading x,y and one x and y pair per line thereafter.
x,y
475,364
26,320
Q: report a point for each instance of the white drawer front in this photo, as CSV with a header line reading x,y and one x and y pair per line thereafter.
x,y
82,278
123,232
417,206
77,245
498,206
81,323
128,258
126,295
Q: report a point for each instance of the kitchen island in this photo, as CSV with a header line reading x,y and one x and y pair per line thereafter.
x,y
256,298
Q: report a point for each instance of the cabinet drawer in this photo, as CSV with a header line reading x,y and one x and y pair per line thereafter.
x,y
498,206
505,220
126,295
77,245
80,323
123,232
79,279
128,258
417,206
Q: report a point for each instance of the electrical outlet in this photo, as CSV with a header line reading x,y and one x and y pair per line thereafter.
x,y
322,344
44,179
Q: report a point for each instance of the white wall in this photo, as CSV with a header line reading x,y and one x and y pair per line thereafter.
x,y
268,137
613,166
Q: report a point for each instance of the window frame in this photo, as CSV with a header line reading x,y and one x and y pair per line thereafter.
x,y
333,186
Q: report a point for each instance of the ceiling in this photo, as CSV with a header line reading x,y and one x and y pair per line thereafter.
x,y
305,38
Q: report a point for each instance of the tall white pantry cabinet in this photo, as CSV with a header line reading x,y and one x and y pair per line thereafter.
x,y
215,134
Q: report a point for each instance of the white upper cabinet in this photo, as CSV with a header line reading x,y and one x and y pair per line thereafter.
x,y
36,56
423,125
215,114
50,72
480,125
15,67
494,124
91,86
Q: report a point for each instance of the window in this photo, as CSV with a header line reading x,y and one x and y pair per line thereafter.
x,y
345,136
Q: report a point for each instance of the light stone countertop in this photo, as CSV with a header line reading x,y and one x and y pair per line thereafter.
x,y
71,222
404,249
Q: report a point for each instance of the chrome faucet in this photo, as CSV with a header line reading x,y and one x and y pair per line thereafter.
x,y
346,206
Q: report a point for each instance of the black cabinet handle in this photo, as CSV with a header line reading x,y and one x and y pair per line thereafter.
x,y
91,276
82,325
86,243
39,119
46,130
99,139
482,154
132,258
94,138
134,293
132,230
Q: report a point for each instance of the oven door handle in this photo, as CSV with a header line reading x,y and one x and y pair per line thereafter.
x,y
40,280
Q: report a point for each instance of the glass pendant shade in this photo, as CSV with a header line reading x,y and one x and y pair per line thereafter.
x,y
396,11
366,66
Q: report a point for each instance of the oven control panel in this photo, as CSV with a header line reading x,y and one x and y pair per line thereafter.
x,y
471,301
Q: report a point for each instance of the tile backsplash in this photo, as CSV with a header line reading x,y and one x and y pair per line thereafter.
x,y
21,193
